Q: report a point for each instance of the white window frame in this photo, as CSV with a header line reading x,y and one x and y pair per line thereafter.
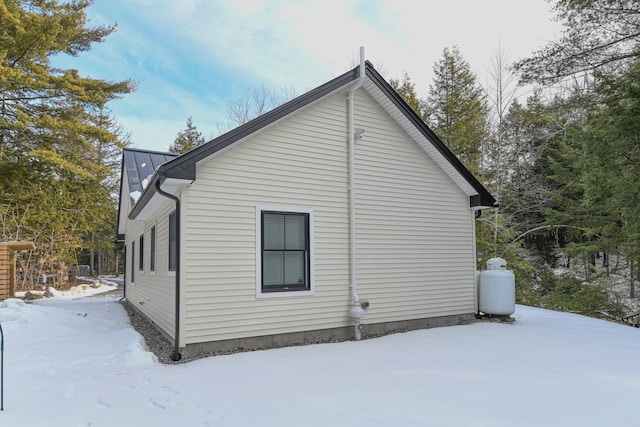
x,y
288,209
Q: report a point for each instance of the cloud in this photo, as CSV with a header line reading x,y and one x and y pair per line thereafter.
x,y
193,57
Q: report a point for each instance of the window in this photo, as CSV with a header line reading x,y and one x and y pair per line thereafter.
x,y
172,241
285,252
133,261
141,249
152,249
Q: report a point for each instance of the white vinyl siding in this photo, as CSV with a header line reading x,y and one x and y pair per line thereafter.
x,y
415,231
415,228
300,162
154,294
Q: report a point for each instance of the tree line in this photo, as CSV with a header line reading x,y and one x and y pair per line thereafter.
x,y
59,144
563,161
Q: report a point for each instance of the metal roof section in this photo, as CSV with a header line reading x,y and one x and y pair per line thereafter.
x,y
140,166
137,170
173,171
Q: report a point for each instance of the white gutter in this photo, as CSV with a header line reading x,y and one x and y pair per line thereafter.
x,y
356,312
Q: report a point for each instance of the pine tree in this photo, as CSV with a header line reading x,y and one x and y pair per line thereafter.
x,y
612,164
457,109
187,139
407,90
598,35
52,132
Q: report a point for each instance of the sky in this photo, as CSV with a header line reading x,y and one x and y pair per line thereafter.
x,y
73,360
194,57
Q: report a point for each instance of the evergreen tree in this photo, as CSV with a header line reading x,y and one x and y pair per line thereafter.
x,y
187,139
599,35
532,131
53,140
457,109
406,89
612,164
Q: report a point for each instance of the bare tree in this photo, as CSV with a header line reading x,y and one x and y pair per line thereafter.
x,y
255,102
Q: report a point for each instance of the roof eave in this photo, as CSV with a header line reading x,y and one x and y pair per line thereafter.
x,y
150,194
184,167
483,199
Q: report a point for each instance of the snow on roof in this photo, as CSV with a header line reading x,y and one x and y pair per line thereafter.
x,y
140,166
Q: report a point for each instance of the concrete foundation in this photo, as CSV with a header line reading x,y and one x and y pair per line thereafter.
x,y
322,335
308,337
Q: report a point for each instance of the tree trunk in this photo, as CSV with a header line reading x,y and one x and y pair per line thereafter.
x,y
92,256
100,256
632,285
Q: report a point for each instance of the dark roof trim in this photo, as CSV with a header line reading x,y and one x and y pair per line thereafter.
x,y
120,236
183,167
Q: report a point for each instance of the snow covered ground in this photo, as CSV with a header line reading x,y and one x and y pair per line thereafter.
x,y
75,361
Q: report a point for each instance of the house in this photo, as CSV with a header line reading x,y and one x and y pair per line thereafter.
x,y
337,214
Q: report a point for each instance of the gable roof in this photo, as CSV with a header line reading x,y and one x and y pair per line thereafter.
x,y
183,168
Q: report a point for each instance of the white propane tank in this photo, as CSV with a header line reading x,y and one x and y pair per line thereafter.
x,y
497,289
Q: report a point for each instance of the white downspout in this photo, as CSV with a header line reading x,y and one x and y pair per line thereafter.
x,y
356,312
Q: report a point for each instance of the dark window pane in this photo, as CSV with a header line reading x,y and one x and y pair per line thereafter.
x,y
273,231
272,268
285,240
294,268
141,249
172,241
295,232
152,260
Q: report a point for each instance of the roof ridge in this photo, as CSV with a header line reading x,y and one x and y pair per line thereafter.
x,y
142,150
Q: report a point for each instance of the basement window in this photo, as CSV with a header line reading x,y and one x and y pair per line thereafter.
x,y
284,253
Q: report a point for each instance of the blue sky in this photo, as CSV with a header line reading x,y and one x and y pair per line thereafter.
x,y
193,57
